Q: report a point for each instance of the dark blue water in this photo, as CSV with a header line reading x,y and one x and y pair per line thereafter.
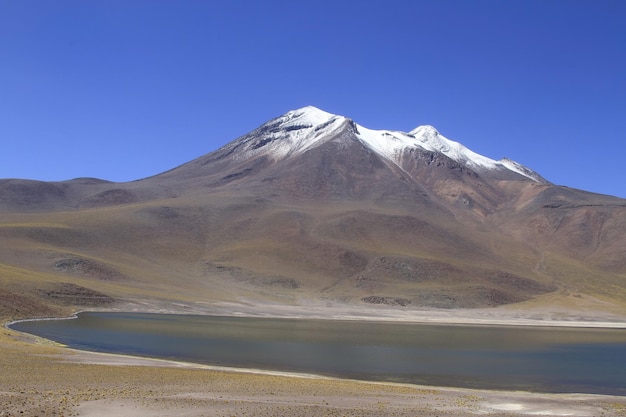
x,y
492,357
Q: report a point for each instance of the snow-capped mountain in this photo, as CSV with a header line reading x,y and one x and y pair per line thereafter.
x,y
309,153
312,207
300,130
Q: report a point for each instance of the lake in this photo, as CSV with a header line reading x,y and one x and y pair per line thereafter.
x,y
538,359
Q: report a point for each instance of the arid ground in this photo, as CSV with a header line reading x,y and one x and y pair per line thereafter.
x,y
40,378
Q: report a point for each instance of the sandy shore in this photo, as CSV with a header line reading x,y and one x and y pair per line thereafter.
x,y
39,378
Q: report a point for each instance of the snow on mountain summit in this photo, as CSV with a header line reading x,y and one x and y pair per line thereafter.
x,y
299,130
308,115
290,134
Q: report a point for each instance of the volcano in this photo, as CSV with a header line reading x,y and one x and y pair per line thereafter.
x,y
312,207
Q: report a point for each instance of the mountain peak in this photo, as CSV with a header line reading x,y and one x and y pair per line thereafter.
x,y
425,131
308,115
288,135
302,129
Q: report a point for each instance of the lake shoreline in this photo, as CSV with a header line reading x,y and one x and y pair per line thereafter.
x,y
348,312
449,320
285,393
490,402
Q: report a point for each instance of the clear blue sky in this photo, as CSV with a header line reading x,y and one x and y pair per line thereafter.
x,y
124,89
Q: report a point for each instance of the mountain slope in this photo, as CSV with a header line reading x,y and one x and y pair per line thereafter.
x,y
312,207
